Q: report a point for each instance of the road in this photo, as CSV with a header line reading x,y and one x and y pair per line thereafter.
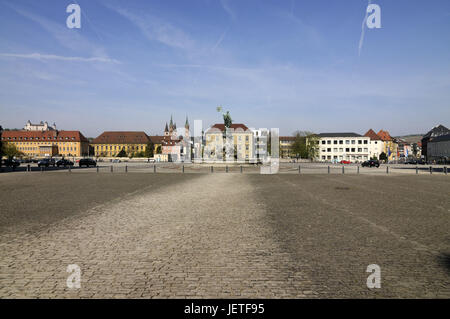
x,y
224,235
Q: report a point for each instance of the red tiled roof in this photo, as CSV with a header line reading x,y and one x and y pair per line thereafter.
x,y
287,138
122,137
373,136
384,135
221,127
53,136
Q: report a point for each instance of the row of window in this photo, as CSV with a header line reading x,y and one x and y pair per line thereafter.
x,y
341,142
115,147
36,138
348,149
23,148
340,157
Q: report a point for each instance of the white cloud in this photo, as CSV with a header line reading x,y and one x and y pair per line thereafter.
x,y
156,29
39,56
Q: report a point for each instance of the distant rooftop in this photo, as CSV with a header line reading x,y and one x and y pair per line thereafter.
x,y
339,135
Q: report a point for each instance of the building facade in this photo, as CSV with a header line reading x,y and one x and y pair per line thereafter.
x,y
335,147
286,143
376,144
438,130
238,143
110,144
390,147
48,143
438,149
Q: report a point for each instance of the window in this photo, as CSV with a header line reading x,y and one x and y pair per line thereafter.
x,y
335,149
328,142
323,157
328,149
353,141
335,142
359,142
341,150
323,142
365,149
359,149
341,142
365,141
353,149
347,149
347,142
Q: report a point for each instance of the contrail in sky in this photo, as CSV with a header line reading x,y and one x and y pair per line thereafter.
x,y
363,28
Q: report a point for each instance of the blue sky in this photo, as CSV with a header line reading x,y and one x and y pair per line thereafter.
x,y
289,64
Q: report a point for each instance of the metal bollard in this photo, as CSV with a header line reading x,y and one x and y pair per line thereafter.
x,y
343,169
445,170
111,168
299,171
226,168
183,168
358,170
154,168
212,169
387,169
126,168
28,168
431,170
417,170
241,169
329,169
70,168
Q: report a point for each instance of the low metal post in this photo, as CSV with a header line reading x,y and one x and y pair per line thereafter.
x,y
241,169
431,170
28,168
445,170
126,168
343,169
299,170
328,169
226,168
358,170
154,168
417,170
183,168
387,169
111,168
70,168
212,169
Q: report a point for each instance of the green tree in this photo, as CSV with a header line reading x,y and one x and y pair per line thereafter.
x,y
305,145
149,149
158,150
10,150
383,156
122,153
415,149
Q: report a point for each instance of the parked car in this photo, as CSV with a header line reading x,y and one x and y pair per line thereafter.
x,y
64,162
87,162
371,163
344,162
10,163
25,160
46,162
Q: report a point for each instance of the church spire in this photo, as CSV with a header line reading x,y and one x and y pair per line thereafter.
x,y
166,129
186,125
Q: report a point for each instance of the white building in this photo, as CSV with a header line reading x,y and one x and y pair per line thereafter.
x,y
335,147
42,126
376,144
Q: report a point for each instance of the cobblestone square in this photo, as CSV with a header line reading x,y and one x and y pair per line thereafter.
x,y
224,235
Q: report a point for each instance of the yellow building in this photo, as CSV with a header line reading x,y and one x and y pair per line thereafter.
x,y
109,144
242,139
286,146
48,143
390,147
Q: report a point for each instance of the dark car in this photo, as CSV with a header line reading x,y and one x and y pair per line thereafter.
x,y
371,163
46,162
11,163
64,163
87,162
